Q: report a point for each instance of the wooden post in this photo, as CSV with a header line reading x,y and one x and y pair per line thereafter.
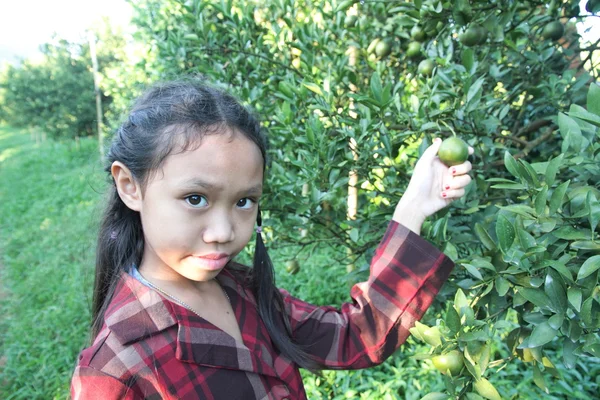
x,y
92,41
353,175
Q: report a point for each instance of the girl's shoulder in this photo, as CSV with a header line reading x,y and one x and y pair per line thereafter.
x,y
134,316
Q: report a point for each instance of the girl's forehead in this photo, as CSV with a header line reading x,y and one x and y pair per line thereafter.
x,y
230,157
218,135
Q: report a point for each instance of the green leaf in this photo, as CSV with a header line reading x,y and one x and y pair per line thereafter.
x,y
556,321
511,165
575,296
313,88
555,290
520,209
535,296
593,205
473,271
344,5
585,245
473,396
570,131
505,232
533,178
538,378
586,116
475,89
557,197
480,262
484,237
453,320
376,88
509,186
354,235
586,312
553,167
560,267
540,200
542,334
570,233
593,99
451,251
590,266
468,59
502,286
486,389
525,239
569,357
435,396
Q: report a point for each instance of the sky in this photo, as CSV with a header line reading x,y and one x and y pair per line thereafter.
x,y
25,25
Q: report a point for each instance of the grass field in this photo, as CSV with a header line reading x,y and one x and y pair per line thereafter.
x,y
49,195
50,198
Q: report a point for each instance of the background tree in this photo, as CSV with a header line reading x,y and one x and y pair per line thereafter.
x,y
351,93
56,93
359,89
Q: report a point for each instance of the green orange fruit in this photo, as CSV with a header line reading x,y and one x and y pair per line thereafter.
x,y
452,362
372,45
553,31
426,67
453,151
350,20
474,35
417,33
414,49
593,6
292,267
383,48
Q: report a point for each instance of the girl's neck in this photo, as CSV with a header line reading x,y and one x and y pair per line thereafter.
x,y
173,282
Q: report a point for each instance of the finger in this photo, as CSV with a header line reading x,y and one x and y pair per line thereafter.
x,y
461,169
458,182
453,194
430,153
471,150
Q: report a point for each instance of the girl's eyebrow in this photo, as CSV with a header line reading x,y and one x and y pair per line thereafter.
x,y
197,182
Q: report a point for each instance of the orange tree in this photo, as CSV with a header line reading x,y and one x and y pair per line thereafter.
x,y
352,92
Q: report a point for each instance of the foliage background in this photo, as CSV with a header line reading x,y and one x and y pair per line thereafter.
x,y
524,299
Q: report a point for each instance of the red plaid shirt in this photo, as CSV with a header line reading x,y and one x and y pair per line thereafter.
x,y
152,348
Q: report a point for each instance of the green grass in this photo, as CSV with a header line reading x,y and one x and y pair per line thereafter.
x,y
50,196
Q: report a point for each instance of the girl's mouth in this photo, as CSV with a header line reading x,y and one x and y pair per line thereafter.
x,y
212,261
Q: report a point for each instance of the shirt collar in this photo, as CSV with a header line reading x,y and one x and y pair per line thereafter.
x,y
137,312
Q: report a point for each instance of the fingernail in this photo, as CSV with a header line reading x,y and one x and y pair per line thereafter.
x,y
437,140
453,171
447,187
444,194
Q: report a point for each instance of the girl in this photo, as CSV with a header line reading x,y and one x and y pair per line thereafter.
x,y
174,317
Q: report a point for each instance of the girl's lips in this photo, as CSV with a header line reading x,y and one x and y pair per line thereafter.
x,y
212,262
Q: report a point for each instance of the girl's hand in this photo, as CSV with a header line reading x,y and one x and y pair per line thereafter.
x,y
432,187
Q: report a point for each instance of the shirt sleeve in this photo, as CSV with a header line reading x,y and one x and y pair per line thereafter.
x,y
406,273
90,384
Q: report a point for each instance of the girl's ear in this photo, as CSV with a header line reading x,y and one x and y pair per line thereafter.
x,y
129,190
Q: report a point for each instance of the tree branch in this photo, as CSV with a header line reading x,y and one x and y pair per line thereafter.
x,y
530,146
534,126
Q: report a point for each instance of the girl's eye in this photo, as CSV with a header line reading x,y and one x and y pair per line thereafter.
x,y
196,200
245,203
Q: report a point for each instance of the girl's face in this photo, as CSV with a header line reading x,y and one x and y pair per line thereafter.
x,y
198,211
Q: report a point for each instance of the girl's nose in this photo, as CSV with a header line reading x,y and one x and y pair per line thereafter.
x,y
219,229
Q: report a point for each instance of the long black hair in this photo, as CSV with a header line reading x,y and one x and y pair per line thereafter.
x,y
169,116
